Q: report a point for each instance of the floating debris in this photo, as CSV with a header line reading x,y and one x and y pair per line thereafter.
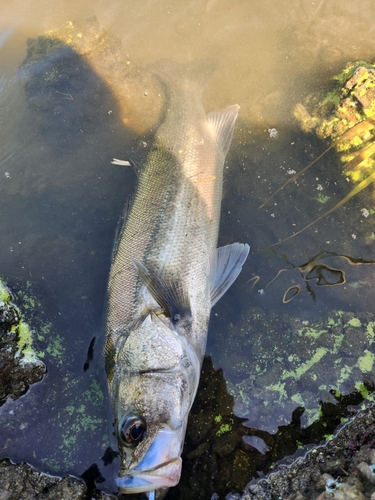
x,y
273,133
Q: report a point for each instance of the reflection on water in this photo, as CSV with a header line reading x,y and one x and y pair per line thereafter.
x,y
318,271
70,110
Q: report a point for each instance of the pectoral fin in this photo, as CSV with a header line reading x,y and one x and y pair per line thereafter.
x,y
226,265
167,292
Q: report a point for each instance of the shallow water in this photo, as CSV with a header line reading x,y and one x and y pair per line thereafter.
x,y
60,200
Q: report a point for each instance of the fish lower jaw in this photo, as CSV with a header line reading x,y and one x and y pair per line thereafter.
x,y
166,475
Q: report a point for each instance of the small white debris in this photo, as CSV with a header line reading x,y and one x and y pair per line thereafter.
x,y
124,163
146,93
110,112
319,187
291,171
272,215
305,322
273,133
261,291
365,212
354,236
7,175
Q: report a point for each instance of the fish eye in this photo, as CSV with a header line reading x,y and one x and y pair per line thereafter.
x,y
132,430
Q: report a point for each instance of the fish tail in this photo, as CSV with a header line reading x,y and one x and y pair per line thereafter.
x,y
174,74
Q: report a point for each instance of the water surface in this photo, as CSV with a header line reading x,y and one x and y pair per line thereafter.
x,y
60,200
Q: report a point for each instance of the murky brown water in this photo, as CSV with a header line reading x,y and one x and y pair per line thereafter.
x,y
60,199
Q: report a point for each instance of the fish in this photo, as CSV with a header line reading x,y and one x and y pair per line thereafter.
x,y
166,275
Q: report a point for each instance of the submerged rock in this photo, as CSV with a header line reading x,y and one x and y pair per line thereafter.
x,y
333,471
348,106
350,101
325,362
19,364
68,71
23,482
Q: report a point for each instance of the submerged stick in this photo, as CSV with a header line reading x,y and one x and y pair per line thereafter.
x,y
361,185
362,127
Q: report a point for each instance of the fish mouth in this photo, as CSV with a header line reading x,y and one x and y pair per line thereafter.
x,y
140,481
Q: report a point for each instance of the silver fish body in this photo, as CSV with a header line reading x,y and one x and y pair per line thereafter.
x,y
165,276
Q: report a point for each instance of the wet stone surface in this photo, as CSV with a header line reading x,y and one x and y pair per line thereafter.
x,y
339,470
344,116
22,482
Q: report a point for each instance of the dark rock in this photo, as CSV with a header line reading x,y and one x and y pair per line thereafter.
x,y
19,365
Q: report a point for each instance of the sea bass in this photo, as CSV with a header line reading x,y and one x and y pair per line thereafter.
x,y
165,277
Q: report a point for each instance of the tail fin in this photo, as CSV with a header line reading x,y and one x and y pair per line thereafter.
x,y
173,73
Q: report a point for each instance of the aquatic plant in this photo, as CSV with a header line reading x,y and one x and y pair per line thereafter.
x,y
345,116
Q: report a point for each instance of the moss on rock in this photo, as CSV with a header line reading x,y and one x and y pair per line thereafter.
x,y
20,365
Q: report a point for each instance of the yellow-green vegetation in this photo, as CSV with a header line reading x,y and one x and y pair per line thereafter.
x,y
25,343
4,293
345,116
354,322
25,335
33,310
77,422
223,429
322,199
366,362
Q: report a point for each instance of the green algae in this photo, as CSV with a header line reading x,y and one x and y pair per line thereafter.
x,y
25,334
301,370
77,422
321,198
50,344
370,330
4,293
366,362
354,322
25,343
310,364
345,116
223,429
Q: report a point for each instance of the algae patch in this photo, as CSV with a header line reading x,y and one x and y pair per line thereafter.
x,y
19,361
307,366
49,343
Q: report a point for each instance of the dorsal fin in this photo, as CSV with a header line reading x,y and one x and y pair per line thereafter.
x,y
168,293
226,265
222,124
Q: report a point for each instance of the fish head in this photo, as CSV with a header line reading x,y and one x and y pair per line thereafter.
x,y
153,387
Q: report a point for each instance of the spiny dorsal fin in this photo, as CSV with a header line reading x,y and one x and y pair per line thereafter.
x,y
226,265
222,124
168,293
